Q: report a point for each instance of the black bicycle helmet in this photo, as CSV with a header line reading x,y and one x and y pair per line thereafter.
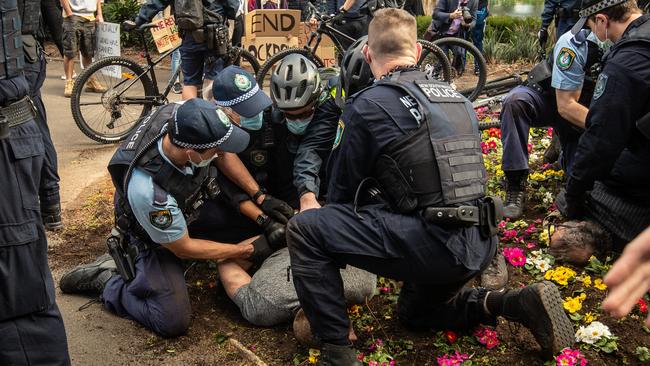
x,y
295,82
355,71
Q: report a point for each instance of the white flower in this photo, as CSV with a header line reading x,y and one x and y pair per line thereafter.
x,y
533,157
592,333
542,264
546,142
548,198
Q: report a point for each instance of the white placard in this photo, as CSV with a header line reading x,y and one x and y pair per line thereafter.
x,y
108,44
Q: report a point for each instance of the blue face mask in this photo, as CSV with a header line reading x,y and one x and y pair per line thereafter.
x,y
298,126
252,123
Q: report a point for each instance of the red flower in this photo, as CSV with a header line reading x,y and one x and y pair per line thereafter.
x,y
451,336
643,306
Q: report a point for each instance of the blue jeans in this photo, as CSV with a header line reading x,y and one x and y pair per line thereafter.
x,y
478,32
176,62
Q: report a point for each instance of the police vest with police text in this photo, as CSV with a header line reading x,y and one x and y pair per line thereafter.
x,y
440,163
141,150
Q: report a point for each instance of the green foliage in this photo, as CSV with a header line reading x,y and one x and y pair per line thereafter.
x,y
423,23
597,267
117,11
501,23
511,45
643,353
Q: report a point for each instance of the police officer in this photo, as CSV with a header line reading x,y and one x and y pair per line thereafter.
x,y
557,93
408,125
309,165
563,12
609,179
197,46
35,73
162,174
31,327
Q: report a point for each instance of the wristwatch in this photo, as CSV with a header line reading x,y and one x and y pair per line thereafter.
x,y
259,193
261,219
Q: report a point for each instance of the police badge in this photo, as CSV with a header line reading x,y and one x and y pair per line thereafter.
x,y
565,58
242,82
601,84
161,219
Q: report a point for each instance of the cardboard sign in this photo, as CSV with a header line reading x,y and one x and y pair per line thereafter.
x,y
327,54
166,34
108,44
264,48
273,23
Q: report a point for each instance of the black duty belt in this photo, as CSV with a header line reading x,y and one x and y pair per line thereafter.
x,y
486,217
16,114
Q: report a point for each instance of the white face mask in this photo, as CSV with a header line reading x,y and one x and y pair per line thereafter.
x,y
202,163
606,44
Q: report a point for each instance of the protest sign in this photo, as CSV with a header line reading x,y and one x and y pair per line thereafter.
x,y
108,44
165,35
273,23
264,48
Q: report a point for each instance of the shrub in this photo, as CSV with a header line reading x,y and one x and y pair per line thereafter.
x,y
423,23
117,11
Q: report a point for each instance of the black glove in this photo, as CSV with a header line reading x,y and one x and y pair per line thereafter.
x,y
276,209
338,18
569,206
261,251
542,36
275,233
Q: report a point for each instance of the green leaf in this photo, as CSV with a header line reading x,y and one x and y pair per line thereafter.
x,y
221,338
643,353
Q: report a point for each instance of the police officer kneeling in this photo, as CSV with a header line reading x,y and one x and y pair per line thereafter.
x,y
163,174
418,140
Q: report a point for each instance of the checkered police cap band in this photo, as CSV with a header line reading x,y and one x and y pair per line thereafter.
x,y
204,146
599,6
239,99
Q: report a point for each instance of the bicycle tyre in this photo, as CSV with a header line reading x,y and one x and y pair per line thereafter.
x,y
431,48
473,92
266,67
77,90
248,57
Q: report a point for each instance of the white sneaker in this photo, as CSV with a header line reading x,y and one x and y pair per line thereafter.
x,y
74,76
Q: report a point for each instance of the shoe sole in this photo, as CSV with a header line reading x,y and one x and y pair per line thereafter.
x,y
562,329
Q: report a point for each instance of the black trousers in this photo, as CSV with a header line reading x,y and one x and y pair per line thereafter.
x,y
433,262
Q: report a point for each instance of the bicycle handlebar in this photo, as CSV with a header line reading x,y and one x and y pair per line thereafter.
x,y
129,26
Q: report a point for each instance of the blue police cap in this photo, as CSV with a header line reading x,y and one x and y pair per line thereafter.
x,y
198,125
234,87
591,7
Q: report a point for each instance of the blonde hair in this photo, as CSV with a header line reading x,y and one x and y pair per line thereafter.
x,y
392,33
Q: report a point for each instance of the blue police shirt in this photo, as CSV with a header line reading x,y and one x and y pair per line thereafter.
x,y
570,58
140,193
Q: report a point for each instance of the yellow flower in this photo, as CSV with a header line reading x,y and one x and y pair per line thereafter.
x,y
560,275
499,171
598,283
537,176
354,310
312,359
586,280
543,238
573,304
588,318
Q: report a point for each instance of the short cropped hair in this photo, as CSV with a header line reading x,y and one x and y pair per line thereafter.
x,y
619,13
392,33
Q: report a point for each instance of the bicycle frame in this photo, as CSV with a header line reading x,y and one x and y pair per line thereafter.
x,y
325,28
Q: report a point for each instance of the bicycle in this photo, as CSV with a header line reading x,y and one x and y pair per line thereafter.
x,y
124,91
488,110
326,28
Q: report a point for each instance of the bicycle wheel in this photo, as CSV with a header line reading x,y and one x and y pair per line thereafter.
x,y
244,59
433,58
106,101
470,84
265,70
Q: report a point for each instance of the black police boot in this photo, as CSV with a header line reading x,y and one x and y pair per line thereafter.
x,y
335,355
495,276
515,193
51,216
538,307
89,278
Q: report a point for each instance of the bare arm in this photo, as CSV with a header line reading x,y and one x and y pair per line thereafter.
x,y
187,247
348,4
233,277
569,108
100,15
250,209
230,165
66,7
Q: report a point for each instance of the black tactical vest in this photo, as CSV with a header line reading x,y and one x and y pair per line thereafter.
x,y
30,13
141,150
440,163
639,31
12,58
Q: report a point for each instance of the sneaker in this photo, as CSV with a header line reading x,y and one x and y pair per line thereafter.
x,y
538,307
94,86
51,216
74,76
495,276
89,278
67,92
515,203
177,88
335,355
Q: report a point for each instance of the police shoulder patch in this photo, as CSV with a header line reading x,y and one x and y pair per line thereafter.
x,y
601,85
565,58
339,134
162,219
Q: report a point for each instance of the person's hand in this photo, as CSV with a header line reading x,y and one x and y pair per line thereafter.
x,y
275,233
542,36
100,18
313,22
308,201
569,206
276,209
629,278
338,17
456,14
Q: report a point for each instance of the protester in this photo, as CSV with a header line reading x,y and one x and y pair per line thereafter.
x,y
478,32
454,18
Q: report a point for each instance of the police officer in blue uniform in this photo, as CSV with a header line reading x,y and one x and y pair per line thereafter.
x,y
163,173
416,141
609,179
35,74
31,327
563,12
557,93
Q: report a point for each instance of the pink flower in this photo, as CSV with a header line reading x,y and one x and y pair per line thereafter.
x,y
384,289
530,148
373,363
531,229
361,356
531,245
487,337
502,225
570,357
492,145
549,132
452,360
391,363
510,234
515,256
